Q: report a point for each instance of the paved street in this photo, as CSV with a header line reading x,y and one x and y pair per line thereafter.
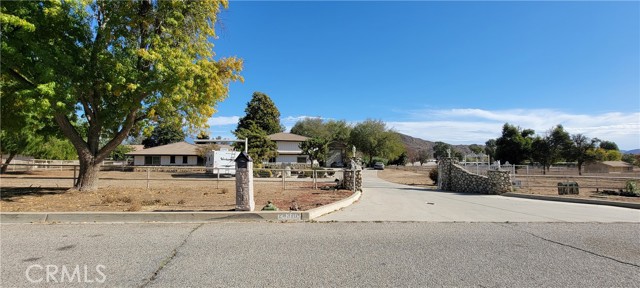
x,y
368,254
396,236
385,201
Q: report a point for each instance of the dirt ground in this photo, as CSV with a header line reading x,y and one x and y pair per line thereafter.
x,y
591,187
127,191
414,178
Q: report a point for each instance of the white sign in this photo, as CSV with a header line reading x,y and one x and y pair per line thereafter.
x,y
290,216
222,162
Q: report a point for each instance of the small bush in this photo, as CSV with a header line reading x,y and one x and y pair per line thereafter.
x,y
632,187
262,173
151,202
135,206
108,199
181,202
433,175
125,199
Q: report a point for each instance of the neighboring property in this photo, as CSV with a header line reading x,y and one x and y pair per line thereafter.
x,y
337,154
608,167
174,154
135,147
289,148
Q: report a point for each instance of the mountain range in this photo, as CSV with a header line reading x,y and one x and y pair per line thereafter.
x,y
414,144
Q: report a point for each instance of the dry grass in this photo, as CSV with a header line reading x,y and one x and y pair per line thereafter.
x,y
417,177
119,191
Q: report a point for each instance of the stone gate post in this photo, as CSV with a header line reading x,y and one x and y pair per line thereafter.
x,y
244,183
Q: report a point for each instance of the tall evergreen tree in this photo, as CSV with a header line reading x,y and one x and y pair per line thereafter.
x,y
261,113
262,119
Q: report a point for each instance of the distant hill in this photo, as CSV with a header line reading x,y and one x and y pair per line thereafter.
x,y
634,151
414,144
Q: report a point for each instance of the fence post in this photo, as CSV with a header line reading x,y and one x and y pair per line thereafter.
x,y
74,176
315,180
284,175
148,172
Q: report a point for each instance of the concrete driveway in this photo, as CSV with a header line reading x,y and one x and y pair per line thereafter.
x,y
386,201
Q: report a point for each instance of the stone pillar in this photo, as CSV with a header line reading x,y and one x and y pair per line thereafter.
x,y
499,181
444,174
349,180
244,183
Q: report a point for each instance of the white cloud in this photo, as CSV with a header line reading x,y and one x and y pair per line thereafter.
x,y
466,126
223,121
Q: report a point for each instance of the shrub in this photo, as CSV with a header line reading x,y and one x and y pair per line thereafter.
x,y
151,202
631,186
135,206
262,173
433,175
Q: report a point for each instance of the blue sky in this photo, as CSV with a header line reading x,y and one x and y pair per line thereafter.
x,y
442,71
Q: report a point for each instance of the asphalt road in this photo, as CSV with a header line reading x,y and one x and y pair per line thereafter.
x,y
367,254
385,201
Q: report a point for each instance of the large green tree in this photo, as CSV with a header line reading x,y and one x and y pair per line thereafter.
x,y
553,147
117,64
541,152
514,146
261,148
311,127
490,149
165,133
331,130
316,149
373,139
261,113
262,118
560,142
580,150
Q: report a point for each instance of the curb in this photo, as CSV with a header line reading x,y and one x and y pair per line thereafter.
x,y
317,212
173,217
574,200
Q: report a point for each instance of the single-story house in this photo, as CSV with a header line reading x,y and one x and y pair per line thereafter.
x,y
289,148
608,167
174,154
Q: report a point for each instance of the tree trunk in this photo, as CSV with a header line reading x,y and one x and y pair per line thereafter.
x,y
579,168
88,176
6,163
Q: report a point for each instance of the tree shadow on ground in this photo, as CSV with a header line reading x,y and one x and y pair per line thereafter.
x,y
9,193
435,189
200,175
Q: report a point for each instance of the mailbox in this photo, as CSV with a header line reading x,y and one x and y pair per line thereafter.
x,y
242,160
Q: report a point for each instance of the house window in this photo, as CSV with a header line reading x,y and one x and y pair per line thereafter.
x,y
172,160
185,160
302,159
152,160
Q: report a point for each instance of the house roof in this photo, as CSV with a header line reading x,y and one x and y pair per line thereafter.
x,y
136,147
179,148
287,137
616,163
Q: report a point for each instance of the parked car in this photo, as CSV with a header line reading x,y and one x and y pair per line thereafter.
x,y
337,165
378,166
